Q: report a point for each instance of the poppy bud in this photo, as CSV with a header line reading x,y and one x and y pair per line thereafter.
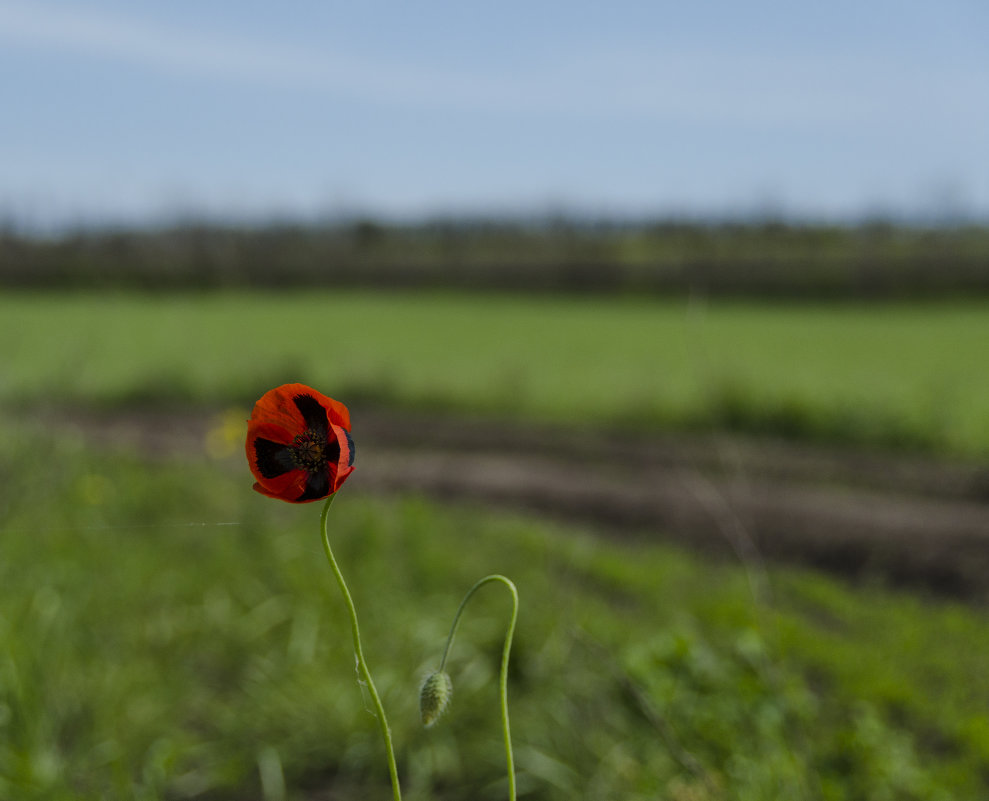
x,y
434,697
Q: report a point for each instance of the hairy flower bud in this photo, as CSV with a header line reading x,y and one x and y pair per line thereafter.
x,y
434,697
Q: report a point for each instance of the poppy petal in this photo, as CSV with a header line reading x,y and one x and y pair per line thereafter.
x,y
336,412
317,486
312,411
342,463
276,405
351,449
277,408
341,476
286,487
268,456
275,433
272,458
340,447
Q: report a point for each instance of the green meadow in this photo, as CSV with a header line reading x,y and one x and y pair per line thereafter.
x,y
909,376
167,633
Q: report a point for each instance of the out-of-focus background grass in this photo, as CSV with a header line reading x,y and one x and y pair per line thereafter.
x,y
149,656
897,375
170,634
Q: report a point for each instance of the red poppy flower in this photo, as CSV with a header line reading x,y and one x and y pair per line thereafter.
x,y
298,444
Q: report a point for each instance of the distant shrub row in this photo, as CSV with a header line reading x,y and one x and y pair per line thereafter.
x,y
771,259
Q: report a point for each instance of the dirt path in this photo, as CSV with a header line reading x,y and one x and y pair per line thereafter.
x,y
917,521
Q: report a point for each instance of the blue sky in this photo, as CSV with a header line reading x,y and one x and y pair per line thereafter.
x,y
114,111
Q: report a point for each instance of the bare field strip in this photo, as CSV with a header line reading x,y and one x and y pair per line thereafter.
x,y
915,521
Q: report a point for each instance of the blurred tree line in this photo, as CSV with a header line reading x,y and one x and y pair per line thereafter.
x,y
767,259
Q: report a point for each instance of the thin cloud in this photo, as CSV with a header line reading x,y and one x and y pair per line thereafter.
x,y
644,78
679,83
170,49
190,54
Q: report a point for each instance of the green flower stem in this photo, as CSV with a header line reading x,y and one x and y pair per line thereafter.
x,y
503,679
365,674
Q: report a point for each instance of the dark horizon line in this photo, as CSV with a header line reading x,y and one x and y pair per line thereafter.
x,y
544,219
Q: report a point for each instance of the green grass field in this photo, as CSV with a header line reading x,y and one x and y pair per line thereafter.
x,y
905,376
167,633
151,650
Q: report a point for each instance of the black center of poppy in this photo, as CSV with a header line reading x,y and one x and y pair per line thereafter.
x,y
309,451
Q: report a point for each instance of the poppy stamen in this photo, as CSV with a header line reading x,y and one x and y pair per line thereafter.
x,y
309,451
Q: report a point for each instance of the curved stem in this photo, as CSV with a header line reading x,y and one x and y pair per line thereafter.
x,y
503,677
365,674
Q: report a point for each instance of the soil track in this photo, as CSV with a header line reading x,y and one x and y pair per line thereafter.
x,y
917,521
